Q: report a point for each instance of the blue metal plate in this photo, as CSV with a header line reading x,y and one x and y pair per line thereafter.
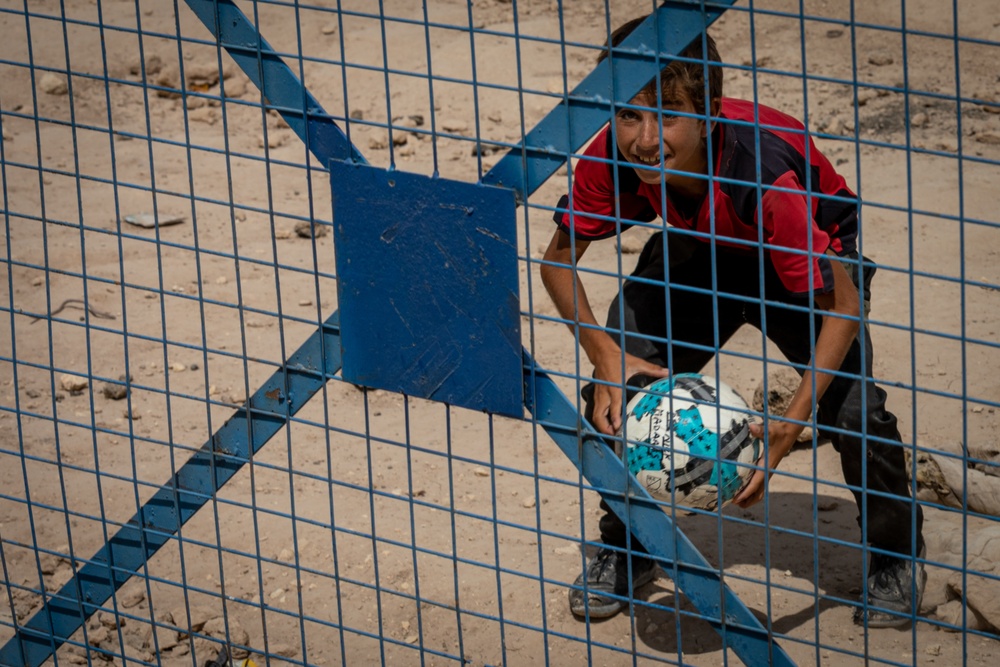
x,y
428,287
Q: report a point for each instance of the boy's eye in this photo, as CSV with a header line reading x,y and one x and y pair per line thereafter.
x,y
627,115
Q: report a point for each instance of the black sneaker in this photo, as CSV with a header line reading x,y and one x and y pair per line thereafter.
x,y
607,584
891,601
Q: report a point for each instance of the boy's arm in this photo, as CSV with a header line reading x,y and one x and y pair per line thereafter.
x,y
836,335
563,284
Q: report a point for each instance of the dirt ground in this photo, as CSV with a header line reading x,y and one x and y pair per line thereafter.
x,y
477,521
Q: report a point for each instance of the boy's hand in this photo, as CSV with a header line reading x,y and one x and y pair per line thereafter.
x,y
781,437
607,415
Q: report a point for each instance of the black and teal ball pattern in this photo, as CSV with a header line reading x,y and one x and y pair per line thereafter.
x,y
688,440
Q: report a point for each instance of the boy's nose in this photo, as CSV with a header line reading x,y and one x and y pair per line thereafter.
x,y
649,133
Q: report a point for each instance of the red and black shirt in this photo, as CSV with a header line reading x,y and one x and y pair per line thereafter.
x,y
771,206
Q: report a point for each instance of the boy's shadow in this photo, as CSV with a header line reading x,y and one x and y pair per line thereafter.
x,y
805,572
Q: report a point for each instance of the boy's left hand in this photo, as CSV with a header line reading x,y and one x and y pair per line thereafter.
x,y
780,438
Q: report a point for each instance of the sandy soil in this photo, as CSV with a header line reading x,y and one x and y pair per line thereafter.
x,y
473,510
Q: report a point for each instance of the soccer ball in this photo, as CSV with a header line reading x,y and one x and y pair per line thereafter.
x,y
688,440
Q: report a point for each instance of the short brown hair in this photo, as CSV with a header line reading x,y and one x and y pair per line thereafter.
x,y
680,75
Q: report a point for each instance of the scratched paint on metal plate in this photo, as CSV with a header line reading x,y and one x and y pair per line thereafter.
x,y
427,284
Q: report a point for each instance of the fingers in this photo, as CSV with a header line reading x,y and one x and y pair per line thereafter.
x,y
752,493
606,407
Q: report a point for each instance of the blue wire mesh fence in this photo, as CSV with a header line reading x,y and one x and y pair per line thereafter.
x,y
187,467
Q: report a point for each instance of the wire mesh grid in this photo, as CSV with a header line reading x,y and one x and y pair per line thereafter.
x,y
169,273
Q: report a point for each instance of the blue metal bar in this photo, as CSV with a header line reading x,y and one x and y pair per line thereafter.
x,y
197,482
694,575
585,110
276,81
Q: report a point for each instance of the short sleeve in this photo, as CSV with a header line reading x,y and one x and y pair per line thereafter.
x,y
790,224
602,206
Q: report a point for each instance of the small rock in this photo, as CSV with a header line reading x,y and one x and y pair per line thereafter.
x,y
989,138
206,115
178,367
169,81
357,114
276,593
218,628
73,383
866,94
286,556
329,29
834,33
235,88
115,392
310,230
153,65
880,59
200,75
453,125
481,472
133,598
378,142
417,119
528,502
109,620
282,234
918,119
53,84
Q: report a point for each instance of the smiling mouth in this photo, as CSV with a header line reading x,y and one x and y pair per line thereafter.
x,y
648,161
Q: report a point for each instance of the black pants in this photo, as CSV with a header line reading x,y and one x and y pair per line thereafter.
x,y
702,319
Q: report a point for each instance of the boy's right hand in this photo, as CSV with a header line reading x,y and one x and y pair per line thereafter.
x,y
607,415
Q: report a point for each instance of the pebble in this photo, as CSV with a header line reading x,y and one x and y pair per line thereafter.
x,y
133,598
528,502
481,472
309,230
53,84
115,392
73,382
880,59
453,125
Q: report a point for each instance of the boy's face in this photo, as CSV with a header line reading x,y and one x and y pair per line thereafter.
x,y
639,133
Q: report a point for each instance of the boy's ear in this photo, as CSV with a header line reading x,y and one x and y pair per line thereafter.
x,y
713,111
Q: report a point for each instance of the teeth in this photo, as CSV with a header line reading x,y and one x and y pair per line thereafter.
x,y
650,161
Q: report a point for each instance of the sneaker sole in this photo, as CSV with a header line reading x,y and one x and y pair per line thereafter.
x,y
610,608
877,618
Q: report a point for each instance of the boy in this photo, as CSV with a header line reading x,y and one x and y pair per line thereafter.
x,y
653,163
